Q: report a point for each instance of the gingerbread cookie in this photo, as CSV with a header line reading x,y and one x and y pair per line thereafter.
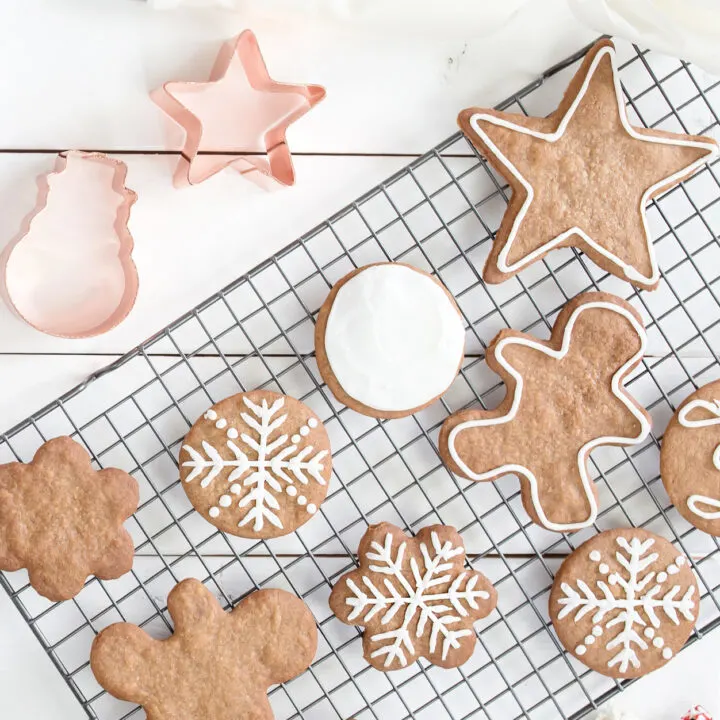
x,y
414,597
565,397
216,665
389,340
624,602
63,520
690,459
582,176
257,464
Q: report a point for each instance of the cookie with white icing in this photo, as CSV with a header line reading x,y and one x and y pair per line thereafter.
x,y
582,176
565,397
625,602
257,464
389,340
690,459
414,597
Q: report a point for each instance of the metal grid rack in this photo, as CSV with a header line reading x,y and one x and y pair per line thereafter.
x,y
439,214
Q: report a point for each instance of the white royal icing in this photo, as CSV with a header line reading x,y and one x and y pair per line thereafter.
x,y
695,501
394,339
439,611
586,449
277,462
630,272
640,593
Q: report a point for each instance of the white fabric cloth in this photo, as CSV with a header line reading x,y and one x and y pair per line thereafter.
x,y
689,29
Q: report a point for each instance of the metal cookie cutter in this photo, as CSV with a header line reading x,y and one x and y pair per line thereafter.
x,y
238,118
69,272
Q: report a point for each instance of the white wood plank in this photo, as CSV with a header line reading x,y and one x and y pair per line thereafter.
x,y
89,66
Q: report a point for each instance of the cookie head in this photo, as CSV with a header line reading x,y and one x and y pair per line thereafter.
x,y
565,397
216,665
690,459
389,340
624,602
63,520
414,597
257,464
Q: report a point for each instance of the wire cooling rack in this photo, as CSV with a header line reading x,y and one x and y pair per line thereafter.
x,y
438,214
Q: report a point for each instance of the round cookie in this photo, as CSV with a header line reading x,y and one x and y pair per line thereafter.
x,y
257,464
624,602
389,340
690,459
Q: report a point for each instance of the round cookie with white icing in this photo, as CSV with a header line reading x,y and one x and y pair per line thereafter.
x,y
389,340
624,602
257,464
690,459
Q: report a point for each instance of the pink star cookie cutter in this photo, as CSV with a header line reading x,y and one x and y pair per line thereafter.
x,y
238,118
69,271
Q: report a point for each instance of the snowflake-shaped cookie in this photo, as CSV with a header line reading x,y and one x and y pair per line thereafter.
x,y
414,597
257,464
216,665
62,520
624,602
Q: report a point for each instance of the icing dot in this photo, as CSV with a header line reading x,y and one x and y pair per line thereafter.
x,y
649,633
667,653
312,422
595,556
604,568
301,499
211,415
213,512
232,433
312,508
295,439
589,640
662,577
221,423
235,489
680,561
304,430
613,579
597,631
291,490
225,501
673,569
658,642
580,650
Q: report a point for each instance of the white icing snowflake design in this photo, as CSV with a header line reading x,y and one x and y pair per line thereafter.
x,y
647,599
433,597
280,463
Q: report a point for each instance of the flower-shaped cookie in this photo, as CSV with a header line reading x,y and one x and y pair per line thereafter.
x,y
414,596
62,520
216,665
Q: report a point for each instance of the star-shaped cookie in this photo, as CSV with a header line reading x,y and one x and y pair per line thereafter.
x,y
565,397
582,176
238,118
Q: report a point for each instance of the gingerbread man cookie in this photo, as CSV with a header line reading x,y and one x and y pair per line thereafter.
x,y
257,464
216,665
690,459
582,176
624,602
63,520
565,397
414,597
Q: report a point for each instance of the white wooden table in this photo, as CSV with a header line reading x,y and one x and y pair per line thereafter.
x,y
76,74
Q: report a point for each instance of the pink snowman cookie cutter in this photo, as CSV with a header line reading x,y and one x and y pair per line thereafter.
x,y
69,271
